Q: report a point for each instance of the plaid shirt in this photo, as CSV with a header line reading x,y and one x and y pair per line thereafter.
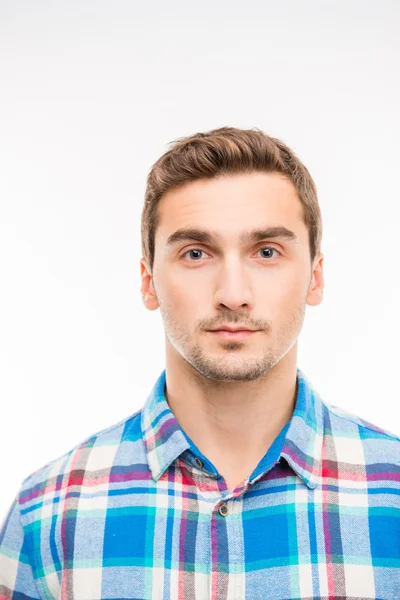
x,y
138,512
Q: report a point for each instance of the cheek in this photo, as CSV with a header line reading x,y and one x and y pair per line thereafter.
x,y
187,286
283,295
281,279
181,299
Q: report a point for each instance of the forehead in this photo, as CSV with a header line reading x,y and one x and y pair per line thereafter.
x,y
232,204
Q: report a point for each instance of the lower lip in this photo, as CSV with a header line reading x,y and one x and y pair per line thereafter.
x,y
233,335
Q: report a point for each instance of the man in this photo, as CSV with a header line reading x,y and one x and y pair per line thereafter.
x,y
235,480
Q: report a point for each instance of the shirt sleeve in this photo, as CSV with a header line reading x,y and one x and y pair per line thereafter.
x,y
16,577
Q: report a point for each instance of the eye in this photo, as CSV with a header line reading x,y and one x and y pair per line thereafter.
x,y
197,252
270,248
194,250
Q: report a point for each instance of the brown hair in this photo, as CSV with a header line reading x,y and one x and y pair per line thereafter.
x,y
224,151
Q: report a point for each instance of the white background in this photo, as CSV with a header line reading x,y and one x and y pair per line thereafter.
x,y
91,94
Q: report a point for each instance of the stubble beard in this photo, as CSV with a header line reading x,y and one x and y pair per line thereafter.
x,y
233,362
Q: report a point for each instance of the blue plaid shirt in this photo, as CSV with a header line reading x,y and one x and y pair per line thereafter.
x,y
137,512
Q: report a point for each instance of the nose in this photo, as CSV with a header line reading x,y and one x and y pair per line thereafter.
x,y
233,288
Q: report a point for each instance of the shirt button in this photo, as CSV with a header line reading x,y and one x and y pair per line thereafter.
x,y
223,510
198,462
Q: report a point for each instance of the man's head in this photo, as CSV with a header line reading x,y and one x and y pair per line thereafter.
x,y
231,234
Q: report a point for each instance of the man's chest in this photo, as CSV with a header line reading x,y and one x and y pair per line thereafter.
x,y
277,542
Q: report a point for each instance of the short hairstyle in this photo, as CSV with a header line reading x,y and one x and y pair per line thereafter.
x,y
225,151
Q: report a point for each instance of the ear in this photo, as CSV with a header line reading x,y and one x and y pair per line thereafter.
x,y
147,288
316,288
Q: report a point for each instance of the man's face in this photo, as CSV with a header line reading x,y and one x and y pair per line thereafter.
x,y
263,284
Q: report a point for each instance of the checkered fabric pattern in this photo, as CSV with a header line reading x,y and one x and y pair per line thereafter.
x,y
137,512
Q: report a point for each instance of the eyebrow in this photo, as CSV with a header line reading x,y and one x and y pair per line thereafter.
x,y
247,236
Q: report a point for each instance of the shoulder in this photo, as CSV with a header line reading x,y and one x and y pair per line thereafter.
x,y
359,440
88,464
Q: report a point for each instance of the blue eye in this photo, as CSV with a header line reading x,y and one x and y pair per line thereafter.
x,y
199,251
193,250
269,248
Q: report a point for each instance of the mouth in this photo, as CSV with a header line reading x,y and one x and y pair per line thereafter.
x,y
239,334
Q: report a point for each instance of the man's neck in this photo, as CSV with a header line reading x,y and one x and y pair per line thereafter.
x,y
233,424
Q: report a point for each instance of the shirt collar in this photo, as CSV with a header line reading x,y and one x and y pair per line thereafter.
x,y
165,440
302,447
